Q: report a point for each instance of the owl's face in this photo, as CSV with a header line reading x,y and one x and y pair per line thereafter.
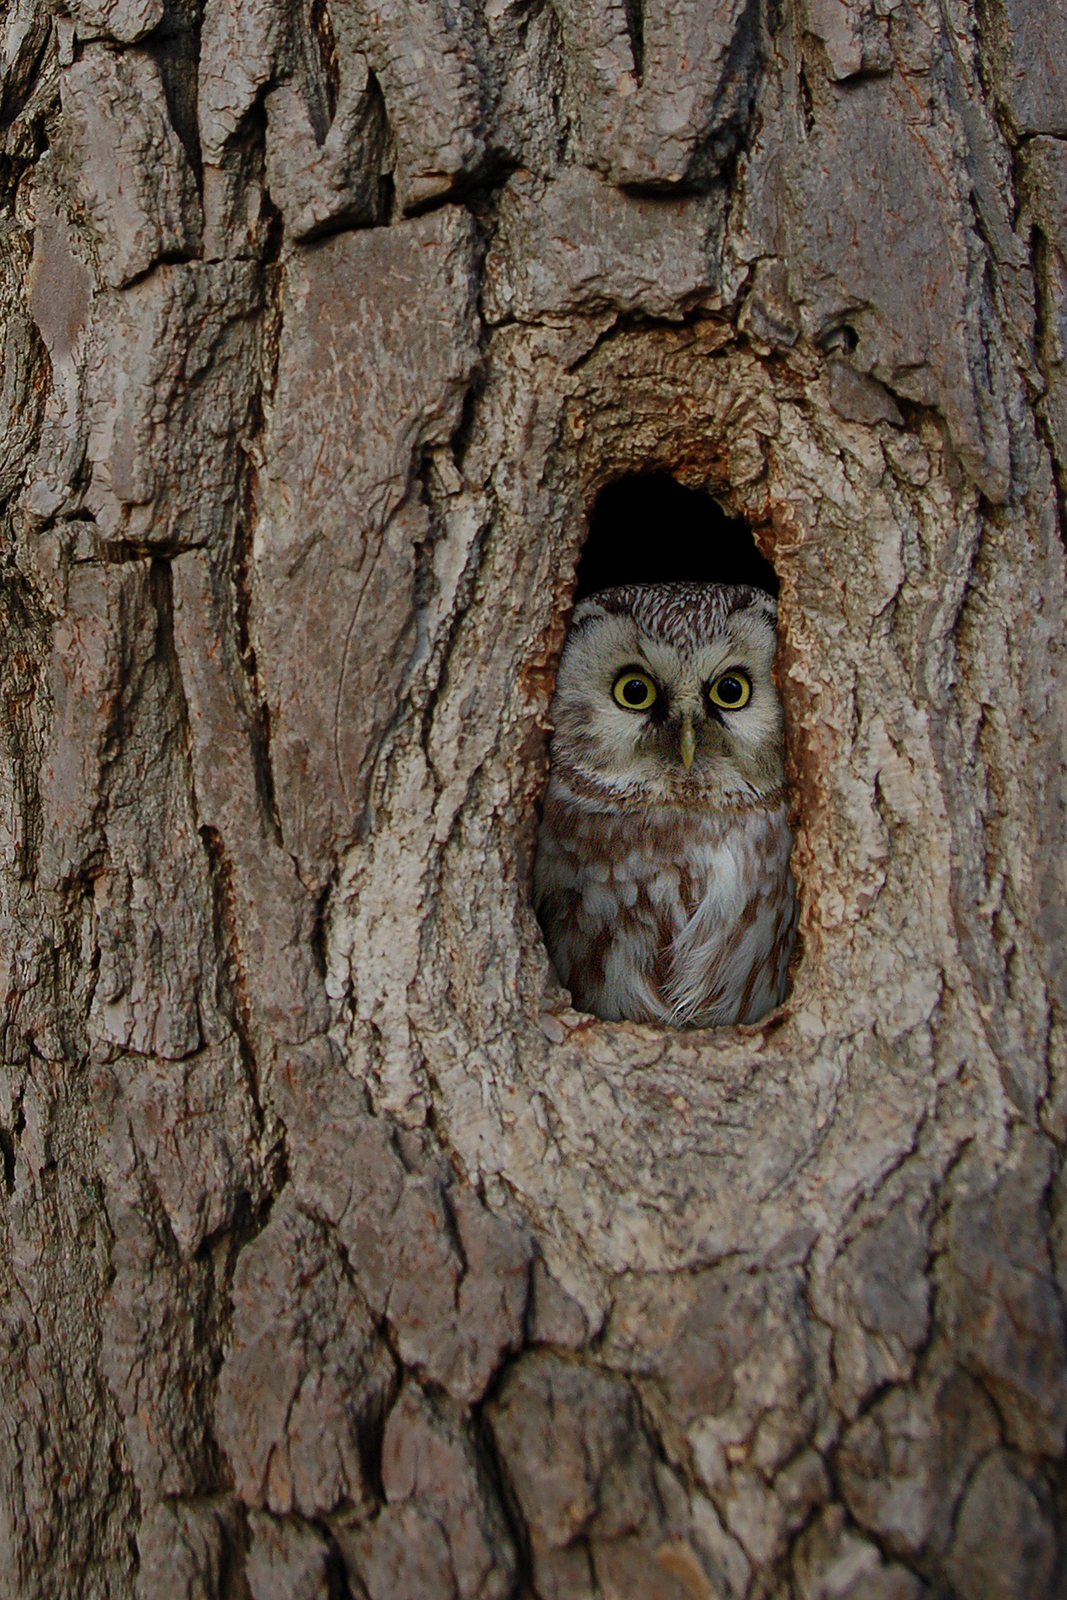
x,y
665,694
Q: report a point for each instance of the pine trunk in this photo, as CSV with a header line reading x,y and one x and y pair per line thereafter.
x,y
339,1256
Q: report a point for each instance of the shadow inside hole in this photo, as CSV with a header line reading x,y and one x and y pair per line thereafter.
x,y
647,528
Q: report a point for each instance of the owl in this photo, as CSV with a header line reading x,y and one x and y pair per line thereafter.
x,y
661,877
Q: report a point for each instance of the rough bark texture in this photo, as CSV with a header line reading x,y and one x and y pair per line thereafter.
x,y
338,1256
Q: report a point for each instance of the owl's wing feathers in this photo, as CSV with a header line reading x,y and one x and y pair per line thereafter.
x,y
602,928
728,962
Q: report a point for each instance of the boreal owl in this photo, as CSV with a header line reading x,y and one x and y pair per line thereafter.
x,y
662,876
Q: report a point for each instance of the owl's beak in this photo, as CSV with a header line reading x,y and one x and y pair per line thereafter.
x,y
687,744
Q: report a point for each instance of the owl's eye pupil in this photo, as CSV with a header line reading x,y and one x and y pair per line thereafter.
x,y
730,690
634,691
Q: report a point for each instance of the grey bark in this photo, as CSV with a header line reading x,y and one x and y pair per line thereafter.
x,y
339,1256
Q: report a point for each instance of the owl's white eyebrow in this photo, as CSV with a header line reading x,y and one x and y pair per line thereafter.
x,y
639,654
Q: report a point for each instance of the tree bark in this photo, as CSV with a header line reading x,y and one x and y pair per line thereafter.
x,y
339,1256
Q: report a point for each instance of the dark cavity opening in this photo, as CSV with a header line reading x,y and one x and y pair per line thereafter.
x,y
647,528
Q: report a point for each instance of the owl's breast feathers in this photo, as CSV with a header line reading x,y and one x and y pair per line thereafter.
x,y
667,914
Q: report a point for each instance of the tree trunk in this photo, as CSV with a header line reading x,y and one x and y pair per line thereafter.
x,y
340,1256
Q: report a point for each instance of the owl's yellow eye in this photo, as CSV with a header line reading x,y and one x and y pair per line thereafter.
x,y
634,689
731,691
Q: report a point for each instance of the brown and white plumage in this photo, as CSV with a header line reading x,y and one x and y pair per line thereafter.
x,y
662,875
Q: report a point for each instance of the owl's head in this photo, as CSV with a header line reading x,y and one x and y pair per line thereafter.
x,y
665,695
